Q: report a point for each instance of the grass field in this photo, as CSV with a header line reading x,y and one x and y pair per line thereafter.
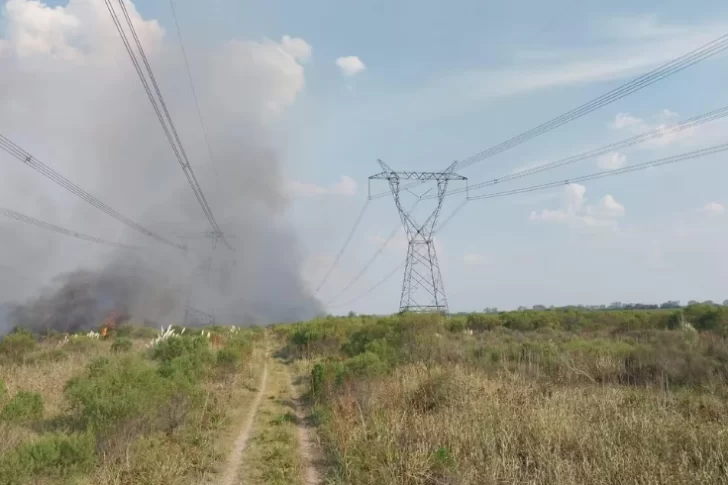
x,y
560,397
85,410
530,397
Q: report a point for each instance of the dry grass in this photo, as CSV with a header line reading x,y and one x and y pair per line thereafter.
x,y
451,425
49,377
272,457
191,454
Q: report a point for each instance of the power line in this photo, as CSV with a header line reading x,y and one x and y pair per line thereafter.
x,y
676,65
642,166
452,214
46,225
633,168
194,91
346,244
373,258
32,162
170,131
375,286
642,138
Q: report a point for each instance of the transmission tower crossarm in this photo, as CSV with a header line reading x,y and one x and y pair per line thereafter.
x,y
422,286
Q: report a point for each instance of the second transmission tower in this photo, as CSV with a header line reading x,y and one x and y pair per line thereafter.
x,y
422,286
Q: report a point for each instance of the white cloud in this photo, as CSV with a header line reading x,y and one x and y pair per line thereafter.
x,y
713,208
575,211
350,65
612,161
298,48
659,121
607,207
620,56
345,187
626,120
474,259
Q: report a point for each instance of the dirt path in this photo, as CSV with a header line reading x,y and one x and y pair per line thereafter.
x,y
236,455
308,446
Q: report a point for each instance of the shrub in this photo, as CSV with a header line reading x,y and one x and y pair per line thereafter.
x,y
53,355
24,407
228,359
125,397
3,392
15,346
480,322
80,344
53,455
171,348
121,344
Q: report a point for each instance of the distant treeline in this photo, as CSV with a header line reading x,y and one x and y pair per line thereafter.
x,y
617,305
705,316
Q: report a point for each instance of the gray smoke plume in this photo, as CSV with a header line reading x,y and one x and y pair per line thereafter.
x,y
69,95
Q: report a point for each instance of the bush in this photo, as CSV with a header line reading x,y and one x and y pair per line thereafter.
x,y
53,455
167,350
228,359
80,344
15,346
121,344
3,391
53,355
122,398
24,407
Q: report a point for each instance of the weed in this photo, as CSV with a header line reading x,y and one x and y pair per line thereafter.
x,y
15,346
25,407
121,344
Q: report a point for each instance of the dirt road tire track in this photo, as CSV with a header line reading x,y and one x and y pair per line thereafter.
x,y
235,458
311,475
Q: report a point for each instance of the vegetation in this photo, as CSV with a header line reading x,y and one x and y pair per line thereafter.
x,y
551,397
272,456
80,409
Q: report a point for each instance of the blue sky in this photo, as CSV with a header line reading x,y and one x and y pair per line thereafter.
x,y
444,81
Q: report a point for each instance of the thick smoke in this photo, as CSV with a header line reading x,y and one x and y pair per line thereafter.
x,y
69,95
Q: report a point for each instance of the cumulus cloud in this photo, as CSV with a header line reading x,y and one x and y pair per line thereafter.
x,y
612,161
69,94
577,212
346,186
350,65
298,48
715,208
659,121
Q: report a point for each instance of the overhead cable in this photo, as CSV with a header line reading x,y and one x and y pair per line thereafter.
x,y
608,173
372,259
633,168
192,88
676,65
375,286
51,227
642,138
346,244
169,131
32,162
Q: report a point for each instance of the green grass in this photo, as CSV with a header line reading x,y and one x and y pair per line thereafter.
x,y
83,410
552,397
273,456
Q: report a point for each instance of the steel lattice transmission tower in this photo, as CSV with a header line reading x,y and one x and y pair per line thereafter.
x,y
422,286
